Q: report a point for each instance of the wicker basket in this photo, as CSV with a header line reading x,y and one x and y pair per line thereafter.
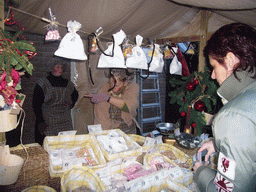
x,y
35,169
71,141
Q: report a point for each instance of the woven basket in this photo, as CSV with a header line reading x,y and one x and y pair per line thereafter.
x,y
137,149
35,169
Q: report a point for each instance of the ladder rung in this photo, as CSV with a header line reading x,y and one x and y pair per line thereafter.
x,y
150,90
152,119
150,76
151,105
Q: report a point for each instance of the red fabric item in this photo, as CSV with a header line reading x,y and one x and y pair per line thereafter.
x,y
182,60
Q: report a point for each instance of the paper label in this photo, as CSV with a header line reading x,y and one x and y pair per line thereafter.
x,y
104,172
177,132
175,173
149,141
94,128
67,133
106,180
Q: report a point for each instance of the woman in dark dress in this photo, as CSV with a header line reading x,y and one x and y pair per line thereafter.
x,y
53,99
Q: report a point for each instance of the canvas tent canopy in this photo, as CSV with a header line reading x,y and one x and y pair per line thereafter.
x,y
150,18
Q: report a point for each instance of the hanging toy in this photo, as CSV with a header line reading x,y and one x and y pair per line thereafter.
x,y
53,32
71,46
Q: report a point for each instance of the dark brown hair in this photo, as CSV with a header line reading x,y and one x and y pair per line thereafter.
x,y
238,38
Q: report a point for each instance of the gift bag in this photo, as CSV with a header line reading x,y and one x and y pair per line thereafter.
x,y
138,58
71,46
155,60
113,56
175,66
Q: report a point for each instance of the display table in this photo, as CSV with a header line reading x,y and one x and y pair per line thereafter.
x,y
35,170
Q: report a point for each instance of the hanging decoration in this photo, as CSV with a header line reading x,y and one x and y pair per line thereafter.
x,y
71,46
137,58
10,21
14,60
157,62
167,53
95,40
52,28
93,47
113,57
195,95
175,66
127,48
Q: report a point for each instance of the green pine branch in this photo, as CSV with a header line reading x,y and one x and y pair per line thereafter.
x,y
13,54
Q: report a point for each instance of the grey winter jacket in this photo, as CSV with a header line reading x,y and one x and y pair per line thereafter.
x,y
234,130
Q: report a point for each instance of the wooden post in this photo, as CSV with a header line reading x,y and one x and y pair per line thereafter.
x,y
2,14
203,38
2,135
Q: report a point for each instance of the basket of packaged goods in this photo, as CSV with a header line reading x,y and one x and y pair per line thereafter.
x,y
174,154
146,142
115,143
69,150
151,174
79,179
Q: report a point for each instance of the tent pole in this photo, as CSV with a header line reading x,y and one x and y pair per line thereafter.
x,y
203,38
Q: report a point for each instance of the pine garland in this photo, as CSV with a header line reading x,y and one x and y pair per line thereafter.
x,y
198,92
14,53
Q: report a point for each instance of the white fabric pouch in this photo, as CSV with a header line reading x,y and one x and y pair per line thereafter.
x,y
138,58
175,66
117,60
157,63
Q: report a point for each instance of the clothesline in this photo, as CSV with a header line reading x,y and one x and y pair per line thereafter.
x,y
47,20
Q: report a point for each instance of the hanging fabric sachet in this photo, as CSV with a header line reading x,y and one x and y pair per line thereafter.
x,y
175,66
113,56
71,46
157,63
138,58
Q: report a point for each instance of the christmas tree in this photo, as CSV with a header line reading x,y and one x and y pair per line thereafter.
x,y
195,95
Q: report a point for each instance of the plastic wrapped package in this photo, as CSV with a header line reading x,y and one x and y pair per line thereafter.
x,y
70,150
173,153
133,148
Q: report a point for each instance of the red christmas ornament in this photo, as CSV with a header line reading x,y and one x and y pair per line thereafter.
x,y
199,106
190,86
193,125
183,114
196,82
